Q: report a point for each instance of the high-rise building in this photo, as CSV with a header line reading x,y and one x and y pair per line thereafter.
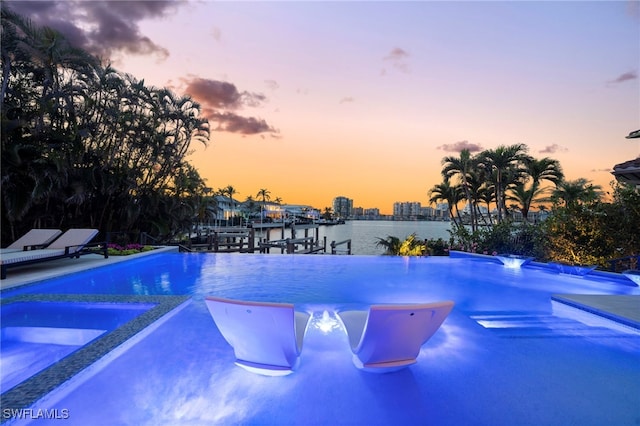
x,y
406,209
342,207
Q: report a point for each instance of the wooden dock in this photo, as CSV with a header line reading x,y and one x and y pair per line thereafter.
x,y
303,239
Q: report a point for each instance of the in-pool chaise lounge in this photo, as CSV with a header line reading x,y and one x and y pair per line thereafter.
x,y
389,337
266,337
73,243
35,238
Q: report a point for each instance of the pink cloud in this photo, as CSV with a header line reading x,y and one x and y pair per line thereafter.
x,y
220,101
627,76
460,145
551,149
397,57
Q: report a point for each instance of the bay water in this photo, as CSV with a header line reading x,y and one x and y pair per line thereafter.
x,y
364,234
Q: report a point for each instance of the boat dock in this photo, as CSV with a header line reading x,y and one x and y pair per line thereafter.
x,y
262,238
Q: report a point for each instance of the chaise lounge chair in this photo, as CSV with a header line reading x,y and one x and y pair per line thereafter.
x,y
73,243
35,238
266,337
389,337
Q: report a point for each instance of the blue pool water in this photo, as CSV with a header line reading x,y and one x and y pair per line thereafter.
x,y
35,335
504,356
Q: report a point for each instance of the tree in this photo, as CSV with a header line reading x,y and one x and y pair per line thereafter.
x,y
535,171
524,197
86,146
570,193
327,213
462,167
411,246
503,164
265,195
451,195
230,191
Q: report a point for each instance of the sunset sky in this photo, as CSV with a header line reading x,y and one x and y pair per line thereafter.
x,y
312,100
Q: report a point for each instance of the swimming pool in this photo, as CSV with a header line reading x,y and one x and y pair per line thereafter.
x,y
504,356
36,334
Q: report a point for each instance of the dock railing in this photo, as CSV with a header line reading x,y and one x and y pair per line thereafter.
x,y
334,246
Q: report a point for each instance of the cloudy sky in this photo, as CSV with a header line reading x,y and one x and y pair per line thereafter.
x,y
312,100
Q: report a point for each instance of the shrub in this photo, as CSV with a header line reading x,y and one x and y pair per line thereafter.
x,y
118,250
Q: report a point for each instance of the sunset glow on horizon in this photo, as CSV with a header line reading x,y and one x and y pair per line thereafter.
x,y
313,100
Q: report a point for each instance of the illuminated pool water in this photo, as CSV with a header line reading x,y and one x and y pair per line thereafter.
x,y
35,335
504,356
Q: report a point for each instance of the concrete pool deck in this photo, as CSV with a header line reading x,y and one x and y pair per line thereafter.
x,y
466,375
56,268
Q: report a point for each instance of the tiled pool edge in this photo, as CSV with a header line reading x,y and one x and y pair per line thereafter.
x,y
581,303
36,387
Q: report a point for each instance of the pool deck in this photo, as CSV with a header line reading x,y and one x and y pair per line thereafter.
x,y
620,308
56,268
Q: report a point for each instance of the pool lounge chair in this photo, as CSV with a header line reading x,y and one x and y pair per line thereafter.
x,y
73,243
266,337
35,238
389,337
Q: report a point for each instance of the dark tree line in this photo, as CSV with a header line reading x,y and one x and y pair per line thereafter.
x,y
84,145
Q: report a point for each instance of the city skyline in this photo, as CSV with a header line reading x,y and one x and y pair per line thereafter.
x,y
312,100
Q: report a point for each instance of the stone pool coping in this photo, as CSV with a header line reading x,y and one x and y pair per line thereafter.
x,y
37,386
624,309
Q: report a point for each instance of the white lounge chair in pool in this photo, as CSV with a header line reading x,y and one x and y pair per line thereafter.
x,y
389,337
73,243
35,238
266,337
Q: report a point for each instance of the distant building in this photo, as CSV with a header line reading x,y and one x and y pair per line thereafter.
x,y
226,208
427,213
343,207
372,213
442,211
300,211
406,210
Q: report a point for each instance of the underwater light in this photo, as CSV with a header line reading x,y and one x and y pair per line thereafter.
x,y
326,323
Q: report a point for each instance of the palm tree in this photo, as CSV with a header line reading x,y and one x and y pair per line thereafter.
x,y
390,244
451,194
327,213
229,191
462,167
541,170
504,165
265,195
411,246
524,197
575,192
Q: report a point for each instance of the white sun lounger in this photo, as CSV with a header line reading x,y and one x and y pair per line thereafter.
x,y
35,238
70,244
266,337
389,337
